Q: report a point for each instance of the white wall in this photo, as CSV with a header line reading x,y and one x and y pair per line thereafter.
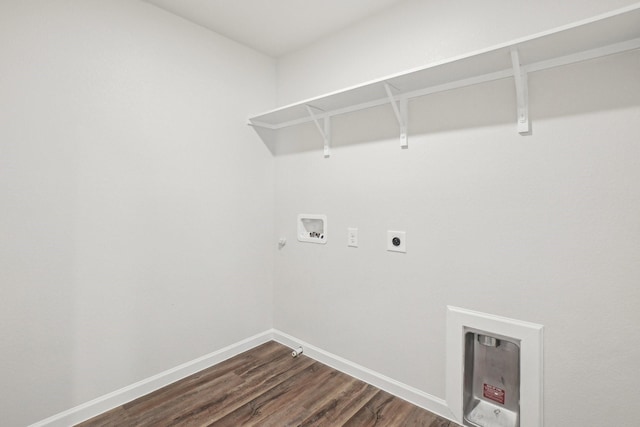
x,y
136,206
419,32
137,209
542,228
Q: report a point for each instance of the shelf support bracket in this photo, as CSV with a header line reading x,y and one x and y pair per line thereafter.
x,y
522,92
401,112
325,130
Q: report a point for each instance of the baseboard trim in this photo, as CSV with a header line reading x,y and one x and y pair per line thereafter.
x,y
126,394
410,394
119,397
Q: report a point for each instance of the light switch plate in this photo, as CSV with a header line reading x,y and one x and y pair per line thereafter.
x,y
397,241
352,237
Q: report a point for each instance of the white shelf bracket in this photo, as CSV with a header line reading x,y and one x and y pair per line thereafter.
x,y
325,130
401,112
522,92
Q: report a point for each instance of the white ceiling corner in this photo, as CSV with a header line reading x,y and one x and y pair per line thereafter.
x,y
274,27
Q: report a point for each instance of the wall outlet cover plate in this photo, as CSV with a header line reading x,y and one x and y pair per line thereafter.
x,y
352,237
397,241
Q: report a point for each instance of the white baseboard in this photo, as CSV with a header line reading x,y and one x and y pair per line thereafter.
x,y
410,394
112,400
119,397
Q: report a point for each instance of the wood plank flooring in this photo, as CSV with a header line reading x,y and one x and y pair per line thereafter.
x,y
265,386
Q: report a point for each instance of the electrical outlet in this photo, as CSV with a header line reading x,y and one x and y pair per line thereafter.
x,y
397,241
352,237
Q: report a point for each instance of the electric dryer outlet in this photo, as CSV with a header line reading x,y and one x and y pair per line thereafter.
x,y
397,241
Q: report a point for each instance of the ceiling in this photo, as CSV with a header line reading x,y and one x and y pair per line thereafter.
x,y
275,27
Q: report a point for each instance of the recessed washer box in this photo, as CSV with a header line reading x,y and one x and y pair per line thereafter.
x,y
312,228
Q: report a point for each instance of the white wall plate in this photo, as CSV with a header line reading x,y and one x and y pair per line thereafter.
x,y
397,241
312,228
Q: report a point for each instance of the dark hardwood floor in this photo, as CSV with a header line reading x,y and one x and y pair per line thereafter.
x,y
265,386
